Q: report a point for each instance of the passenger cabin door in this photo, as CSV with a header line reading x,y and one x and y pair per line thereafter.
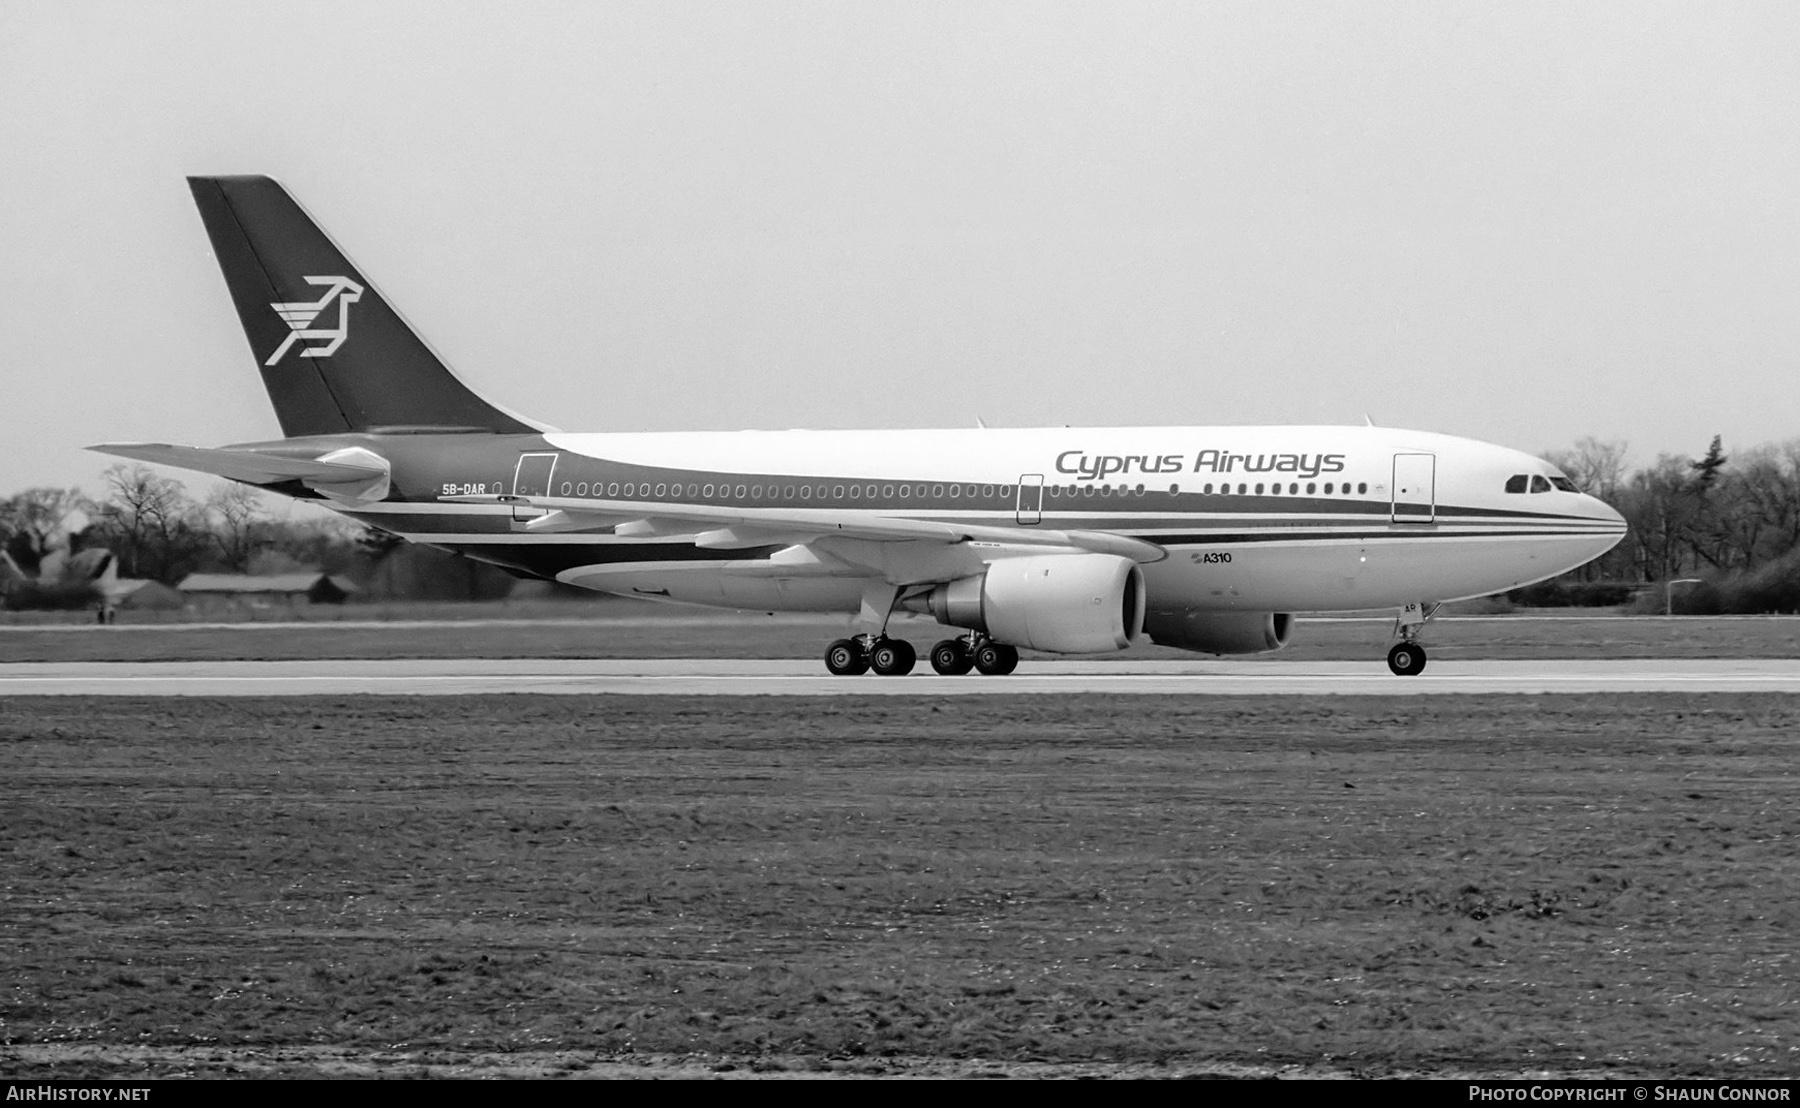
x,y
1031,499
1415,488
532,478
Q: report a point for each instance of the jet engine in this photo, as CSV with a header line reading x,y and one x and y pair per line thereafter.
x,y
1062,603
1219,632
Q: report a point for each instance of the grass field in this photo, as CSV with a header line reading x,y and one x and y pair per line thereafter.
x,y
507,885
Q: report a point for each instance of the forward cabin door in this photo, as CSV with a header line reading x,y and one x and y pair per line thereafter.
x,y
1031,499
1415,488
532,478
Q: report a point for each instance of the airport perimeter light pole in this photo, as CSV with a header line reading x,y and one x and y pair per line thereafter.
x,y
1669,593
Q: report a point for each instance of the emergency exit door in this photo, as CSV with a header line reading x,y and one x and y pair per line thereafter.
x,y
1031,499
1415,488
532,478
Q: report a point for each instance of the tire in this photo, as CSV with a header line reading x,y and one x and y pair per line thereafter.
x,y
951,658
1407,659
845,658
996,659
892,657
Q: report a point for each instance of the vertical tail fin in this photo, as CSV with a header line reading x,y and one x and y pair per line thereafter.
x,y
334,355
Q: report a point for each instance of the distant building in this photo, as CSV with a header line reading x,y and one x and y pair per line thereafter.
x,y
276,590
137,594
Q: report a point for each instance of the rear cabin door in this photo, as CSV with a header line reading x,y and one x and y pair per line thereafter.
x,y
532,478
1031,499
1415,488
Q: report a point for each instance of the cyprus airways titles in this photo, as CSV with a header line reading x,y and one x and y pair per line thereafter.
x,y
1097,467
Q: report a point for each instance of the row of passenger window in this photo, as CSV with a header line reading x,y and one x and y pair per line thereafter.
x,y
1332,488
1520,482
1099,490
631,489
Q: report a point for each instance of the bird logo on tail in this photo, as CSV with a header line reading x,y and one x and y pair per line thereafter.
x,y
300,316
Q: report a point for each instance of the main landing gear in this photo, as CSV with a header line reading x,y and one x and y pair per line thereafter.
x,y
954,657
887,657
896,657
1407,658
873,650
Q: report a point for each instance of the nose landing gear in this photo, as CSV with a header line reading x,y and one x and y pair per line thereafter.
x,y
1407,658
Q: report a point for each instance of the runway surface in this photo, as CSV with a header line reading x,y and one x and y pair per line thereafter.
x,y
726,677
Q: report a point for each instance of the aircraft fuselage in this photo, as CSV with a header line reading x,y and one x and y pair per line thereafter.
x,y
1253,518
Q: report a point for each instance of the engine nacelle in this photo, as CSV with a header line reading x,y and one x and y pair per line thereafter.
x,y
1219,632
1062,603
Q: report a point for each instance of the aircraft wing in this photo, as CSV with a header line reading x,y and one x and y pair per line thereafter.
x,y
723,528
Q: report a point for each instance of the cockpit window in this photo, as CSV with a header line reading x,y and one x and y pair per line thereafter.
x,y
1516,483
1539,484
1564,484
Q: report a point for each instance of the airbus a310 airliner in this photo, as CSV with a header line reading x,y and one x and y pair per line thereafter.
x,y
1069,540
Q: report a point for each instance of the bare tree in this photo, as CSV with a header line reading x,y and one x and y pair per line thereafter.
x,y
151,524
237,516
33,521
1660,514
1597,468
1787,461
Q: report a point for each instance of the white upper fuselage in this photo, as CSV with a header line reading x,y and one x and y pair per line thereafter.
x,y
1158,455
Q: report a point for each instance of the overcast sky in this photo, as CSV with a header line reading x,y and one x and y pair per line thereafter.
x,y
1522,223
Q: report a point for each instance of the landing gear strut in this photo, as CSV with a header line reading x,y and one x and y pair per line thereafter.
x,y
1407,658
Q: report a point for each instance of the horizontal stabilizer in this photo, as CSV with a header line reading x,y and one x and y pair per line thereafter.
x,y
253,466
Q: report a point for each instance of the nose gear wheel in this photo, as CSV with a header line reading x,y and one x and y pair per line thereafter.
x,y
1406,659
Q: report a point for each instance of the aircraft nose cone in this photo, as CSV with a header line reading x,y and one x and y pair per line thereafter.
x,y
1612,526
